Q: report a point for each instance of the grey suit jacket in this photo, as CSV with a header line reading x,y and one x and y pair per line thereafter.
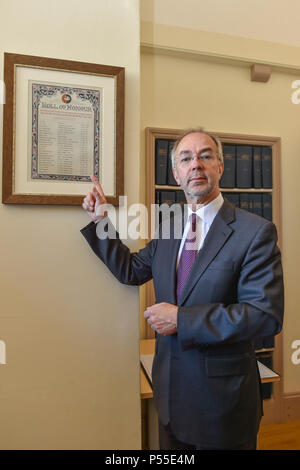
x,y
205,377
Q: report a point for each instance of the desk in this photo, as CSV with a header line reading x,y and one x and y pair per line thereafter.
x,y
147,346
149,417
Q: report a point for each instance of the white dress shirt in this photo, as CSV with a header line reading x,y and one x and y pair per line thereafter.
x,y
206,215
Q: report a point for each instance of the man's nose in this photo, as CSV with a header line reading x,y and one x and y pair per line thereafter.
x,y
197,161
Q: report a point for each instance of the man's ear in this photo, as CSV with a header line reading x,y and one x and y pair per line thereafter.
x,y
221,169
175,175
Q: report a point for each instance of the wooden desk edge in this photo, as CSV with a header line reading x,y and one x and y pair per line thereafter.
x,y
270,379
146,389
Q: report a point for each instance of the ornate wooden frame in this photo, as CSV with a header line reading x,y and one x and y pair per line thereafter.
x,y
11,62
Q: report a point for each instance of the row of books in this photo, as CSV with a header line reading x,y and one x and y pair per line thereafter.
x,y
245,166
258,203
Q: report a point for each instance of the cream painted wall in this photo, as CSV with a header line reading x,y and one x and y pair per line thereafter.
x,y
270,20
178,92
71,331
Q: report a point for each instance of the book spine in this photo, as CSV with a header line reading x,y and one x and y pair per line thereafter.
x,y
233,198
167,197
180,198
157,204
267,206
250,203
170,178
244,166
228,177
266,163
257,204
257,176
157,197
161,161
244,201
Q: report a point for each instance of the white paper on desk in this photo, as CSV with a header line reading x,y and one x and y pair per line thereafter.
x,y
265,372
147,360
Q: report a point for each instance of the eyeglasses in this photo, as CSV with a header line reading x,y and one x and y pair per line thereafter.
x,y
186,157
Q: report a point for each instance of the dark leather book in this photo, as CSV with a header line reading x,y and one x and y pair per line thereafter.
x,y
257,172
180,198
243,166
267,206
157,197
234,198
161,161
168,197
266,165
250,203
229,156
157,213
244,201
256,200
170,178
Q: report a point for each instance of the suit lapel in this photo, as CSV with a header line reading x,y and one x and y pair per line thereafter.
x,y
216,237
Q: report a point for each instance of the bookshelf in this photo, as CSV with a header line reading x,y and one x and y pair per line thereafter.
x,y
270,354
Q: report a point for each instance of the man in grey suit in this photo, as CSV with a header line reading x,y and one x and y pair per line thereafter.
x,y
217,288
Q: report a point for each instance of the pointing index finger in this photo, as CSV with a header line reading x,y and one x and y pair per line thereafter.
x,y
98,185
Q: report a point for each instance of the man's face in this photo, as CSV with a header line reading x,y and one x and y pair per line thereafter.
x,y
198,170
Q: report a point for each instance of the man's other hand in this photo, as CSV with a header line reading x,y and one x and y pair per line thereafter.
x,y
162,318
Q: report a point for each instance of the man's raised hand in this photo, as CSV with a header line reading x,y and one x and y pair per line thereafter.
x,y
95,202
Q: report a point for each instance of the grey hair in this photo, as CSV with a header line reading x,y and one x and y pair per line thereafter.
x,y
196,130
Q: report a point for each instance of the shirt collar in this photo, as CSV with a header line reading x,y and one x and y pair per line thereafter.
x,y
209,211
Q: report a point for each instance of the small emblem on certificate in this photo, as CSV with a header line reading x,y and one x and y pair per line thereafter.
x,y
65,132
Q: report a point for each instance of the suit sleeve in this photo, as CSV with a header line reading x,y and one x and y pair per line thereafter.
x,y
129,268
260,300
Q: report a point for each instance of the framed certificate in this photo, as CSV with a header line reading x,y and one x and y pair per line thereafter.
x,y
63,121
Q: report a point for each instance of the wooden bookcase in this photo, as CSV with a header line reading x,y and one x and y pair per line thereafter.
x,y
271,405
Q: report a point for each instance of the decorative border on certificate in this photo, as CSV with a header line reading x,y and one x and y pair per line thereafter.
x,y
63,121
65,130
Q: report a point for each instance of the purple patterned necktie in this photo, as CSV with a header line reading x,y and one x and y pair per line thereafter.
x,y
187,257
